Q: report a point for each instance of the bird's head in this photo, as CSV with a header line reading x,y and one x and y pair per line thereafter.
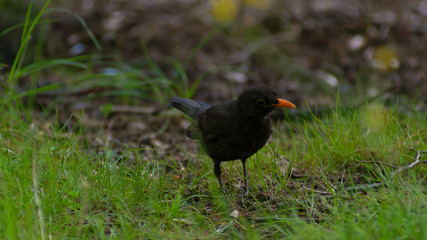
x,y
260,101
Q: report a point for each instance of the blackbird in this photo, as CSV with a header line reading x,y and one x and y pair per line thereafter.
x,y
232,130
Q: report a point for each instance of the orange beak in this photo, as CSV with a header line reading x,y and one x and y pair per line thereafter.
x,y
284,104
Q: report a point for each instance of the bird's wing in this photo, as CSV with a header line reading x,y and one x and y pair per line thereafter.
x,y
193,131
215,123
191,108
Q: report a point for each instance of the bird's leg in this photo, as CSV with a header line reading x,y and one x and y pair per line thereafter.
x,y
244,174
217,171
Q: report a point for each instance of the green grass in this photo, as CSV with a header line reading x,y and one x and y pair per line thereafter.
x,y
53,184
85,195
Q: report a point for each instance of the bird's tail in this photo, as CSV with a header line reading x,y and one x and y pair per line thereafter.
x,y
190,107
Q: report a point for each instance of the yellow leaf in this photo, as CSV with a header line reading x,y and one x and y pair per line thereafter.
x,y
385,58
224,10
374,117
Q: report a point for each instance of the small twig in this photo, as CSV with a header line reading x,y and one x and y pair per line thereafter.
x,y
37,197
316,191
363,187
375,185
411,165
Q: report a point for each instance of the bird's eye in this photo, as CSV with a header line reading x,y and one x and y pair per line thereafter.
x,y
260,101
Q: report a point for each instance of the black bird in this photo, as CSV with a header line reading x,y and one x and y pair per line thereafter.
x,y
232,130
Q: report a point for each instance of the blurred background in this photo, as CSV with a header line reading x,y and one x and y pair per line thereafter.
x,y
307,50
121,56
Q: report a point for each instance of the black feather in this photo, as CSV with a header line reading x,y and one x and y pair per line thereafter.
x,y
191,108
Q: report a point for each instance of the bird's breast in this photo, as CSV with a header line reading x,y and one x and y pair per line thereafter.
x,y
247,138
